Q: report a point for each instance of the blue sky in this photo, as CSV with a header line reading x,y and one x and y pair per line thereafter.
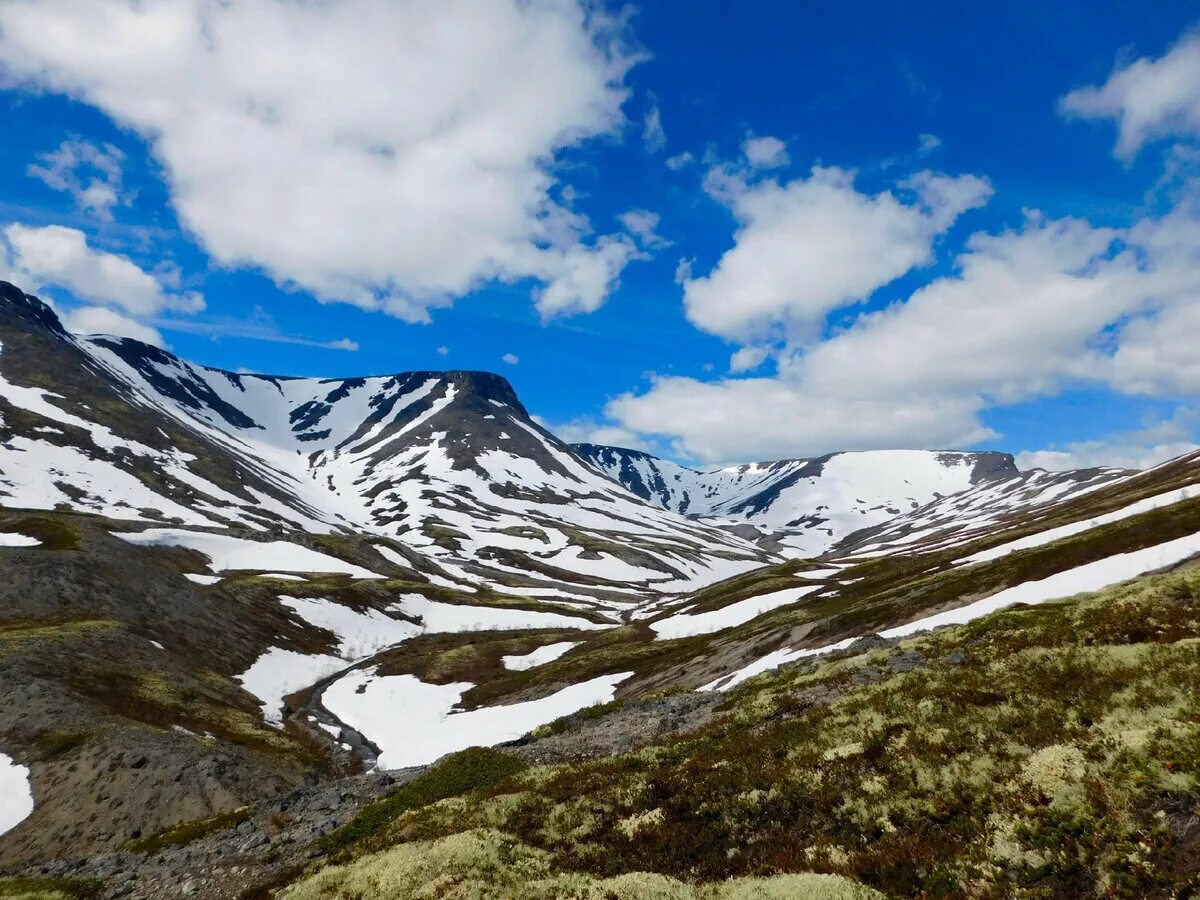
x,y
375,187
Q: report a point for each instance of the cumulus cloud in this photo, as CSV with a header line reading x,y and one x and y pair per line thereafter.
x,y
90,173
772,418
54,255
679,161
806,247
443,350
1027,312
765,152
747,359
1138,449
642,224
1148,98
588,431
102,320
510,359
391,155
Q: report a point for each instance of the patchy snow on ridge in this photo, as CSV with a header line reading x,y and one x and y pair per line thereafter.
x,y
414,723
1054,534
359,634
439,617
1088,577
688,624
806,505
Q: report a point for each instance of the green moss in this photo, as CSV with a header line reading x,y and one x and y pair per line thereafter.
x,y
186,832
55,532
472,769
1043,751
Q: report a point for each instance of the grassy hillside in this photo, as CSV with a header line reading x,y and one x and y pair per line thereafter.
x,y
1051,751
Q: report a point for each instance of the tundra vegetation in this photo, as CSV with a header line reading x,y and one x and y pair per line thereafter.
x,y
1047,751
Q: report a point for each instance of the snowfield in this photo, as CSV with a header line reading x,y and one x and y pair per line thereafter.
x,y
414,723
278,673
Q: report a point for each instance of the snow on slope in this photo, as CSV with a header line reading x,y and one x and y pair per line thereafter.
x,y
977,511
414,723
447,462
16,797
12,539
685,624
231,553
1050,535
521,661
1088,577
803,505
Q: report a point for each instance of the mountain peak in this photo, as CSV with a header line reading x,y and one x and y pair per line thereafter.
x,y
18,307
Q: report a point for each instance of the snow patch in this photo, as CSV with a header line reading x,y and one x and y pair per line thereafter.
x,y
12,539
688,624
414,723
228,553
539,657
16,794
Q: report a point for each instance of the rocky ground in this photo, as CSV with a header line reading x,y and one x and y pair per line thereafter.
x,y
247,853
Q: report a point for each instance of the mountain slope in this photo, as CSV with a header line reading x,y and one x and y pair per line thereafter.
x,y
449,464
228,596
803,507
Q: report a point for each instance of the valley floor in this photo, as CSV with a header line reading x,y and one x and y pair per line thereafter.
x,y
1048,751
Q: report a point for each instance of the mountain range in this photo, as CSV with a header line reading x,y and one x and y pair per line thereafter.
x,y
230,596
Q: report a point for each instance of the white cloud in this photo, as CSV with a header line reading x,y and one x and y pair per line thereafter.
x,y
1148,98
927,143
443,350
59,256
1138,449
394,155
510,358
1027,313
88,172
588,431
653,134
679,161
642,224
102,320
747,359
258,326
765,152
812,245
773,418
585,276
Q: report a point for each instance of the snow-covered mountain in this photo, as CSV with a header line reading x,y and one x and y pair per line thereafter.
x,y
280,574
447,463
805,506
